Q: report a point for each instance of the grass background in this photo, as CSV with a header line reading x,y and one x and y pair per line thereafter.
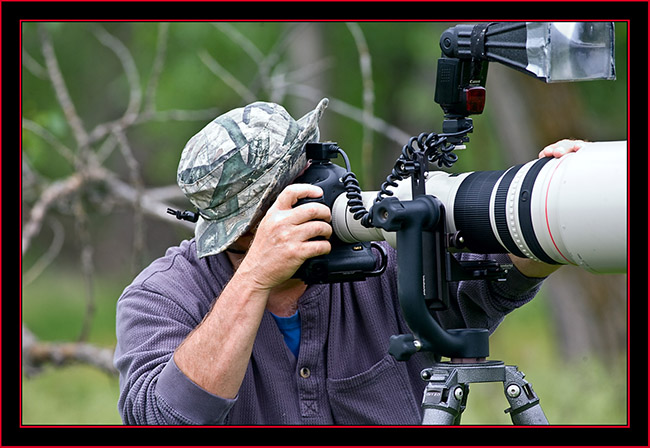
x,y
587,391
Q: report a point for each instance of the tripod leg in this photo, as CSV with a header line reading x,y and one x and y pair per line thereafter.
x,y
524,403
444,403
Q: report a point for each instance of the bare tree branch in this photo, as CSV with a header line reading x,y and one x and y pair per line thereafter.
x,y
307,71
155,208
106,149
138,186
60,88
265,63
226,76
156,70
244,43
133,78
32,66
170,192
179,115
46,135
130,70
37,354
365,63
56,191
49,256
341,107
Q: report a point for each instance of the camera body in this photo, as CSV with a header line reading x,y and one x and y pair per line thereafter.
x,y
346,262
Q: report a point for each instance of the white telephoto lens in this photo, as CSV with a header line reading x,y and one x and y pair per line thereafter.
x,y
569,210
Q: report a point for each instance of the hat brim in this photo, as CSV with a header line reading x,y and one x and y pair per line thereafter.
x,y
215,236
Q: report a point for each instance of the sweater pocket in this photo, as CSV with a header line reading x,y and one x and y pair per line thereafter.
x,y
380,395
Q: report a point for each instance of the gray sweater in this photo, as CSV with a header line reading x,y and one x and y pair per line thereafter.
x,y
343,374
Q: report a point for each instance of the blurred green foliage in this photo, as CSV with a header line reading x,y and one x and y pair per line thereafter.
x,y
73,395
566,387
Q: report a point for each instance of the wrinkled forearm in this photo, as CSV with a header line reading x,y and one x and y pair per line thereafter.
x,y
215,355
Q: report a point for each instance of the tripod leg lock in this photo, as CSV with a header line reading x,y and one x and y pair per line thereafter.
x,y
524,403
444,398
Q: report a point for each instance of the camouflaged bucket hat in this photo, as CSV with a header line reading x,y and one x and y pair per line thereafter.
x,y
233,168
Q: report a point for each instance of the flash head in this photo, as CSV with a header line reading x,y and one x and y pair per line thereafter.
x,y
548,51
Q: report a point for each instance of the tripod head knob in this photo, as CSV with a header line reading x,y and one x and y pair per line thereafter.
x,y
403,346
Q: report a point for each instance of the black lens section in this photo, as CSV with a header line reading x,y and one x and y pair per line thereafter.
x,y
472,212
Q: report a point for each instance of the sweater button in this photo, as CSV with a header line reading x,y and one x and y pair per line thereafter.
x,y
304,372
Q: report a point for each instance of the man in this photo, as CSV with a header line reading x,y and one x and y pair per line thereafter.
x,y
218,332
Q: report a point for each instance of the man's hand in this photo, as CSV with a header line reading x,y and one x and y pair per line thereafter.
x,y
561,148
283,239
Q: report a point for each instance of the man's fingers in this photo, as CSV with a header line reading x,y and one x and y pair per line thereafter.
x,y
285,204
316,248
290,195
313,229
561,148
311,211
294,236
